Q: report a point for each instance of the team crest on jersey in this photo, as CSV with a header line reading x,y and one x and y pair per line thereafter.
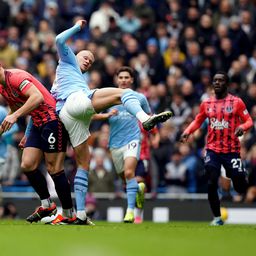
x,y
245,112
209,110
229,109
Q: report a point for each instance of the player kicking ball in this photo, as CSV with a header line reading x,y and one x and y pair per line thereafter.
x,y
76,104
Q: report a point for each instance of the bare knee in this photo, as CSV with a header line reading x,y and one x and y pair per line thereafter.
x,y
82,156
27,165
31,158
83,159
83,163
129,173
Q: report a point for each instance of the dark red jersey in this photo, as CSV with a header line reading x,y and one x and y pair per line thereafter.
x,y
17,82
224,116
145,145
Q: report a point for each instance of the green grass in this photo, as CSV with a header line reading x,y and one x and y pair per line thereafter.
x,y
118,239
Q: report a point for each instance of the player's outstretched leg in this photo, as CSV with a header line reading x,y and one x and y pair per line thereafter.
x,y
134,105
155,119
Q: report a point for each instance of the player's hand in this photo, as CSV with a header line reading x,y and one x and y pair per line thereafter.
x,y
81,23
113,112
239,131
8,122
184,137
22,142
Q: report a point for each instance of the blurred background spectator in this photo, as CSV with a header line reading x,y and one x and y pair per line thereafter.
x,y
174,46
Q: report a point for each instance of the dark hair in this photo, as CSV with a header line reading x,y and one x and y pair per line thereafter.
x,y
125,69
224,74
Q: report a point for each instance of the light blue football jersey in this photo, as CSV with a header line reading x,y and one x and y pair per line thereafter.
x,y
69,77
124,127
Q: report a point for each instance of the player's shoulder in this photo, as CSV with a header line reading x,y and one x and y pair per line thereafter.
x,y
208,100
15,75
234,98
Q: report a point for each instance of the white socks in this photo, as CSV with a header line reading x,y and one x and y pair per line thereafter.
x,y
81,215
142,116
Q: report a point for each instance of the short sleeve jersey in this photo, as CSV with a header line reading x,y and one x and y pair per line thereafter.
x,y
17,82
224,116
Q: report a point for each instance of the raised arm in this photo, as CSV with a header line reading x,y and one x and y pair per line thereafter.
x,y
64,51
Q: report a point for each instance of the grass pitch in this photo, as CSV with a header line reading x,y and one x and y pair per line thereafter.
x,y
119,239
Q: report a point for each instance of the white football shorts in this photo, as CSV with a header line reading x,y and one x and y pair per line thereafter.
x,y
132,149
76,116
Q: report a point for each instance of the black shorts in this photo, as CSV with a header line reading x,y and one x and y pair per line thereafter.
x,y
51,137
141,169
230,161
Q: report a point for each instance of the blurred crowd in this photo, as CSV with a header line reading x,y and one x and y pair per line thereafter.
x,y
174,46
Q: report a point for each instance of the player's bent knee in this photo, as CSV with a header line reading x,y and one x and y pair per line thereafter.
x,y
129,173
27,166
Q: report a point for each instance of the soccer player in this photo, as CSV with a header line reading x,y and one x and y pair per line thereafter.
x,y
48,137
76,104
125,143
228,119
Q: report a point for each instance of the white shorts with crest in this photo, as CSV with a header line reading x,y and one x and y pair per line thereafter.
x,y
76,116
132,149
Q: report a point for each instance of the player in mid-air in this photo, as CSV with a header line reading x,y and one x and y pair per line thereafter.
x,y
25,95
228,119
76,104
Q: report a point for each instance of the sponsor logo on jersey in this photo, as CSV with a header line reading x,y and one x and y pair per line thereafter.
x,y
218,125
